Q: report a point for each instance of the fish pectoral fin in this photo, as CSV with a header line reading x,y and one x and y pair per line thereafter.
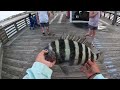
x,y
64,69
101,57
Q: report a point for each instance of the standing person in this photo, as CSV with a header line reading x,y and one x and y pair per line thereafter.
x,y
94,17
35,21
44,21
31,21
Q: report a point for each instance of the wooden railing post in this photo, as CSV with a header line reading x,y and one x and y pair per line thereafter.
x,y
3,33
104,13
26,22
0,34
115,18
16,26
109,15
1,57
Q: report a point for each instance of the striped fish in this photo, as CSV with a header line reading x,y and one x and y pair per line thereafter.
x,y
73,52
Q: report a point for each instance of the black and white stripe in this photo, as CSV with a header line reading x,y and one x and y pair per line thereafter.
x,y
53,46
92,56
80,53
50,47
62,49
87,54
67,50
76,52
95,56
57,50
83,54
72,52
57,46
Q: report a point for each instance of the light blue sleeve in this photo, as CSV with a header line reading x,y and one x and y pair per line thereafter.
x,y
99,76
38,71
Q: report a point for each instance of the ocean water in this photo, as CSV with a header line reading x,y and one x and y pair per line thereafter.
x,y
6,14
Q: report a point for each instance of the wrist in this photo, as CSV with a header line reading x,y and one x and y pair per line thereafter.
x,y
45,63
93,75
99,76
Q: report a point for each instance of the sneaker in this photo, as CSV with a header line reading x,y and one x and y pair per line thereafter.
x,y
93,44
87,34
43,33
53,34
49,33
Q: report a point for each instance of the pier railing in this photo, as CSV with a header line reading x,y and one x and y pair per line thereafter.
x,y
110,15
9,30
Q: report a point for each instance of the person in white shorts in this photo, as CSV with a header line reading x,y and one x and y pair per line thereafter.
x,y
94,17
44,21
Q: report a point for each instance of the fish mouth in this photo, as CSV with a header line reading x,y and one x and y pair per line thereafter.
x,y
50,56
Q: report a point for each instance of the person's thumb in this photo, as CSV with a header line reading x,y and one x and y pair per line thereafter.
x,y
90,62
81,69
44,51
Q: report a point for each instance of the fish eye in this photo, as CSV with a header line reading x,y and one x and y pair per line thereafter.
x,y
46,50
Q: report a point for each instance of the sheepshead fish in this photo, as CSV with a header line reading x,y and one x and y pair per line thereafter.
x,y
70,51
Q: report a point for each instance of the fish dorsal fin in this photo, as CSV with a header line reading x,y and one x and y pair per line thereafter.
x,y
61,37
72,36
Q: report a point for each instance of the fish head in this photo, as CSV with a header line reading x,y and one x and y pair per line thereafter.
x,y
50,56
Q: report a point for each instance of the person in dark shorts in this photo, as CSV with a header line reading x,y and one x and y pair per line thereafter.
x,y
44,21
93,27
94,17
45,25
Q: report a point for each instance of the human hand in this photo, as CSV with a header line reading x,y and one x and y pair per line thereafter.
x,y
90,68
41,58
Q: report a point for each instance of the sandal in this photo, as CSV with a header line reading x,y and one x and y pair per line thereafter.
x,y
49,33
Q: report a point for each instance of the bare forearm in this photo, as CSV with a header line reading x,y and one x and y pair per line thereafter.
x,y
48,14
92,15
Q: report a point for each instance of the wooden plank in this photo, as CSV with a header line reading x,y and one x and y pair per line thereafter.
x,y
4,37
8,34
3,34
1,57
9,27
11,31
5,41
12,34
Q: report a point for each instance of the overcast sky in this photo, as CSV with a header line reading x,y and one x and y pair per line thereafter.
x,y
5,14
